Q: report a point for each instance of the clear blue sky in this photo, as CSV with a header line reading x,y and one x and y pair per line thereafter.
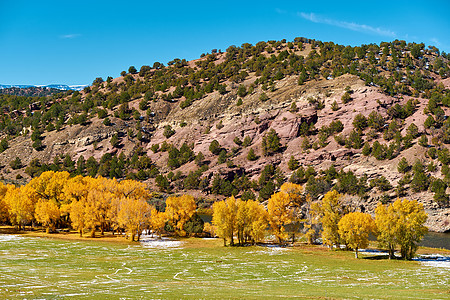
x,y
73,42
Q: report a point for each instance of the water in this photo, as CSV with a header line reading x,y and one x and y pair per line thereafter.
x,y
206,218
431,239
436,240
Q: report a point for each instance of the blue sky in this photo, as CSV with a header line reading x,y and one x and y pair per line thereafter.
x,y
73,42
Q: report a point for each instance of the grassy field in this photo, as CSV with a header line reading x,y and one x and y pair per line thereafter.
x,y
32,267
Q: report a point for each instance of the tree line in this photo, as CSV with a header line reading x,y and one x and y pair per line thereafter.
x,y
87,204
400,223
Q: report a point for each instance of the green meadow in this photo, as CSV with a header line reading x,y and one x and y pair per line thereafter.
x,y
45,268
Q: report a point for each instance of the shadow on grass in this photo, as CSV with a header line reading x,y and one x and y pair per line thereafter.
x,y
378,257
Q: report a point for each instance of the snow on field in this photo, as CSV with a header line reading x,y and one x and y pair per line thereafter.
x,y
9,237
275,248
163,243
372,252
269,249
434,260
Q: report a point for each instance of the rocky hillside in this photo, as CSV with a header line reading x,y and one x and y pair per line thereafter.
x,y
369,121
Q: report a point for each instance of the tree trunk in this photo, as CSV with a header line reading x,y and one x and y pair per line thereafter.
x,y
93,233
356,252
81,232
391,251
225,242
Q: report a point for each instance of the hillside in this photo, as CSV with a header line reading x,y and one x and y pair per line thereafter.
x,y
29,91
369,121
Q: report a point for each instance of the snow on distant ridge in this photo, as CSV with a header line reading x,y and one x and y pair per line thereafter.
x,y
7,86
78,87
64,87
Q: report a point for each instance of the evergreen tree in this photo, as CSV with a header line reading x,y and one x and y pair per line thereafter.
x,y
271,142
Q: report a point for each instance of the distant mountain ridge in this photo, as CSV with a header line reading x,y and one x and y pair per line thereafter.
x,y
63,87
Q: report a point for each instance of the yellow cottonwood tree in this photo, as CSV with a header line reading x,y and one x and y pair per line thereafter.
x,y
179,210
385,221
123,189
295,193
331,212
78,215
77,188
225,219
76,191
243,221
354,230
131,189
209,229
251,221
49,186
158,220
258,220
20,206
278,209
47,213
3,205
313,214
402,223
97,206
134,216
113,214
99,203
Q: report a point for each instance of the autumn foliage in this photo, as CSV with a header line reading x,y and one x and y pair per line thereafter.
x,y
179,210
401,223
246,219
95,205
91,205
354,230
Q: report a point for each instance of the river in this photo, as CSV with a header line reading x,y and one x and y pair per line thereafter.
x,y
436,240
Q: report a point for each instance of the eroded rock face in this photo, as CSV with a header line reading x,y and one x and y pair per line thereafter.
x,y
438,220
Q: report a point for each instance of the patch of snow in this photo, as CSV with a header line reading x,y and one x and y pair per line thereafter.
x,y
275,247
372,252
163,243
434,260
9,237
